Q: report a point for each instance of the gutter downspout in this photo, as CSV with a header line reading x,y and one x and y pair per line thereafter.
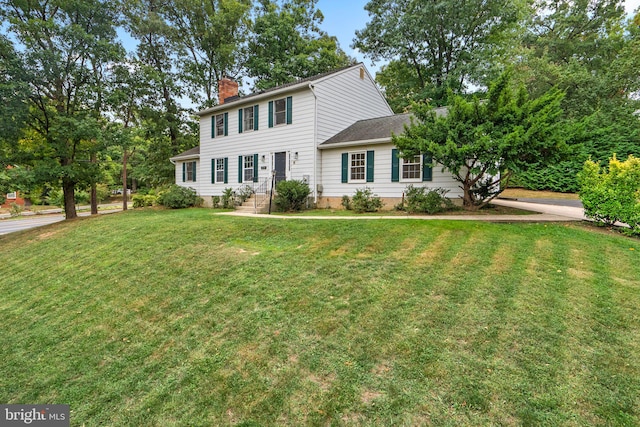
x,y
315,144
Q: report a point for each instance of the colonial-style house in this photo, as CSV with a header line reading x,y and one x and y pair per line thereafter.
x,y
332,131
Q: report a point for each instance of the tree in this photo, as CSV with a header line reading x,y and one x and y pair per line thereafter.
x,y
583,48
435,45
165,123
482,143
287,44
211,36
63,45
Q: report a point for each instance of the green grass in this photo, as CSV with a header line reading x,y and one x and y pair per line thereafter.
x,y
174,318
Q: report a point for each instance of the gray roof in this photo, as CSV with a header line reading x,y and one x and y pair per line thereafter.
x,y
376,130
189,154
239,99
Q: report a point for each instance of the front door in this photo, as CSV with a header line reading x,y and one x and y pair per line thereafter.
x,y
280,165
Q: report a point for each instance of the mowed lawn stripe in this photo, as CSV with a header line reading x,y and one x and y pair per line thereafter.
x,y
187,318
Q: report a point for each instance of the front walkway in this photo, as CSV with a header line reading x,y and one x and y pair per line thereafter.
x,y
547,213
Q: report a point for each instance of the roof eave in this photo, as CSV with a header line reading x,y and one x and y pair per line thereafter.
x,y
355,143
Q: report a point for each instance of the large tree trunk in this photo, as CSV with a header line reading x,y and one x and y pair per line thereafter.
x,y
68,189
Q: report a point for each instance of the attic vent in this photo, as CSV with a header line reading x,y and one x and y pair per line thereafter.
x,y
361,73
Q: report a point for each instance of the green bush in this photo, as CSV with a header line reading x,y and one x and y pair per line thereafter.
x,y
215,202
424,200
346,202
141,200
15,210
227,198
244,193
612,194
365,201
291,195
177,197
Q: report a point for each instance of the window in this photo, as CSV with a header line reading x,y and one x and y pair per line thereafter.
x,y
219,165
357,167
248,119
412,168
12,196
280,111
220,122
415,168
247,169
189,172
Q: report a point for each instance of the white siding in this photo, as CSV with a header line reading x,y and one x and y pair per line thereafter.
x,y
345,98
381,185
292,138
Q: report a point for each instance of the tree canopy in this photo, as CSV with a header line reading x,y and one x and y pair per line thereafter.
x,y
483,142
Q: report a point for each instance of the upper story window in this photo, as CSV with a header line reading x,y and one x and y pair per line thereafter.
x,y
248,119
219,125
281,111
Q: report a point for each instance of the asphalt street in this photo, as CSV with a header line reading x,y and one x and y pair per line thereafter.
x,y
24,223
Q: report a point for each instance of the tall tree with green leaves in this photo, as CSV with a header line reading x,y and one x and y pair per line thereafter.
x,y
64,44
287,43
482,143
583,48
164,119
211,39
435,46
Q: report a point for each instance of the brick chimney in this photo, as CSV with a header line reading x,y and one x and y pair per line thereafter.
x,y
226,89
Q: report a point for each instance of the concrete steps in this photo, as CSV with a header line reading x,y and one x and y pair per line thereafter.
x,y
249,205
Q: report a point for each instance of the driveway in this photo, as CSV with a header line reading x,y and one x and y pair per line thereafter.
x,y
558,207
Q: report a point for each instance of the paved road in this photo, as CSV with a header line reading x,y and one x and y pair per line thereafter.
x,y
27,222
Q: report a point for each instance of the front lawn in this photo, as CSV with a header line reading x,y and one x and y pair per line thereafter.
x,y
174,318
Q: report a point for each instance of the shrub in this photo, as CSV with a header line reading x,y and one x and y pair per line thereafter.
x,y
424,200
15,210
215,202
141,201
346,202
291,195
612,194
244,193
227,198
365,201
177,197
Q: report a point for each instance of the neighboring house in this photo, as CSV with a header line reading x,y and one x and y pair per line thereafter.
x,y
332,131
12,198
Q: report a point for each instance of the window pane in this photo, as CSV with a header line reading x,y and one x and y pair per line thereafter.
x,y
280,111
248,168
219,170
358,166
220,125
411,168
248,119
